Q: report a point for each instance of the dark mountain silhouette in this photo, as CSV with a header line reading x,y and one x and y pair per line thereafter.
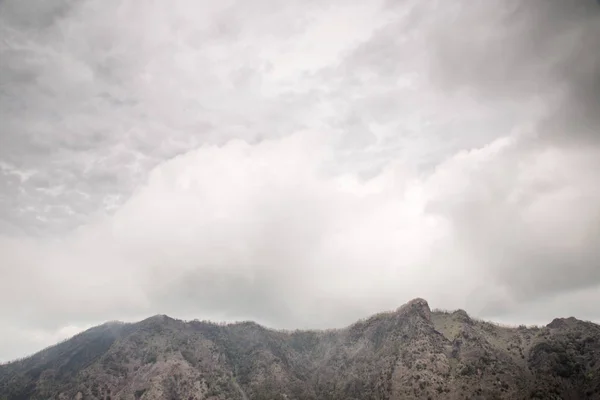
x,y
410,353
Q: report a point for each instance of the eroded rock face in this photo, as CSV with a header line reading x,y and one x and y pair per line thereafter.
x,y
558,323
411,353
461,315
418,306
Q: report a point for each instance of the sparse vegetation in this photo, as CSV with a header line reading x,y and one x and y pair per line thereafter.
x,y
409,353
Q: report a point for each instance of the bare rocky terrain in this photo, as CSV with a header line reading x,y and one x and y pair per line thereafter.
x,y
410,353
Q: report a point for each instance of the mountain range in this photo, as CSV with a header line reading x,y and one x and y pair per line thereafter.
x,y
409,353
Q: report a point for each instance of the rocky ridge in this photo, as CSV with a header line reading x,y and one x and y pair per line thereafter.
x,y
410,353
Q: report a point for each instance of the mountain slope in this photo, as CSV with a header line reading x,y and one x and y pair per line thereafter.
x,y
411,353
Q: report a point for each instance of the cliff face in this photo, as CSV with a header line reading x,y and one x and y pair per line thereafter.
x,y
411,353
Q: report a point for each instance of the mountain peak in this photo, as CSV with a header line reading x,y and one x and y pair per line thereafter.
x,y
159,318
417,306
563,322
462,316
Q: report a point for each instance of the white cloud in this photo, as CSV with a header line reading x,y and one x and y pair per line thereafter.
x,y
264,231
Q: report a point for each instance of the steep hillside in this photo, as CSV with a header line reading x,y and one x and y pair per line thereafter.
x,y
411,353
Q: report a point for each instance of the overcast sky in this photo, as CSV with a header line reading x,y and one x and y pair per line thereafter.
x,y
300,163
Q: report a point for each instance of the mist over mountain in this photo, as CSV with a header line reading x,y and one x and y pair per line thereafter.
x,y
409,353
300,164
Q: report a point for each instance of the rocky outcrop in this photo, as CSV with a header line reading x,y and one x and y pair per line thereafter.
x,y
462,316
416,306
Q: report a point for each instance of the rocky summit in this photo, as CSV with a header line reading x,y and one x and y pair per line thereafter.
x,y
410,353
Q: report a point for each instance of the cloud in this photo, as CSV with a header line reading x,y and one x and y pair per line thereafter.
x,y
265,232
528,219
300,164
233,229
93,98
536,51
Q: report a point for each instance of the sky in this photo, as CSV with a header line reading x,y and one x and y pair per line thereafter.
x,y
302,164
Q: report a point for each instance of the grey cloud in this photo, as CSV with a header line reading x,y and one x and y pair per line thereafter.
x,y
83,81
542,55
514,45
356,133
538,56
526,51
530,219
503,67
36,14
415,161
